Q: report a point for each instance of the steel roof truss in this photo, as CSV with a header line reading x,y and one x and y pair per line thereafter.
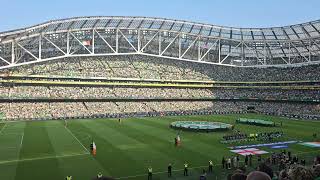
x,y
79,42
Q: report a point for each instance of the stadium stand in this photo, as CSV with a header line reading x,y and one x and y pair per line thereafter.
x,y
145,67
39,90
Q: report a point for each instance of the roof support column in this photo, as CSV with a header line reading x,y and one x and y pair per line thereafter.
x,y
289,52
265,53
160,34
12,52
40,46
68,43
117,40
242,54
309,50
179,41
93,37
219,51
139,41
199,49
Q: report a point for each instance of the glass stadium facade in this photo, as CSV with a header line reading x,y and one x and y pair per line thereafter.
x,y
173,39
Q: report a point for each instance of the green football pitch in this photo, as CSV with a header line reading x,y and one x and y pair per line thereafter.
x,y
49,150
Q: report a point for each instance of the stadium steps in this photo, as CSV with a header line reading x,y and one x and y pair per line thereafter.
x,y
84,104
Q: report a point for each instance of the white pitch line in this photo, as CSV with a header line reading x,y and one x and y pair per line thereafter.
x,y
3,128
21,140
44,157
77,140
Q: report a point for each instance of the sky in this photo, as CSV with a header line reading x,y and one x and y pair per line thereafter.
x,y
236,13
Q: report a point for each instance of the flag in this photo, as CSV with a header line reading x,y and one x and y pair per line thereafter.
x,y
248,151
177,140
86,43
94,149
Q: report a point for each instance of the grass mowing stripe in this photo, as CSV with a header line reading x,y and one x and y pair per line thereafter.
x,y
107,151
44,157
77,139
10,149
36,143
126,150
200,137
183,153
160,148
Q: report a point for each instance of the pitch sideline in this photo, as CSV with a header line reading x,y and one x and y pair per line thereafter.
x,y
44,157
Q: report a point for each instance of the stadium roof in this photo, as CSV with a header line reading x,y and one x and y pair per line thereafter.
x,y
292,32
166,38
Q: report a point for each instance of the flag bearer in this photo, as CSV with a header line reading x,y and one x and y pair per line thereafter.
x,y
93,148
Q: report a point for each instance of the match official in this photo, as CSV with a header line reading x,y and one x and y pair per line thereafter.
x,y
150,173
185,172
169,170
210,166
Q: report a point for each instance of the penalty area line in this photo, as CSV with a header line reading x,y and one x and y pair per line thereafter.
x,y
44,157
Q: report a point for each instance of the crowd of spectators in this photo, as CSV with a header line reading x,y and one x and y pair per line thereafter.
x,y
277,166
73,92
28,110
83,92
145,67
259,93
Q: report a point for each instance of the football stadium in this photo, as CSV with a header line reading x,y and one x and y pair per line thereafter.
x,y
134,98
